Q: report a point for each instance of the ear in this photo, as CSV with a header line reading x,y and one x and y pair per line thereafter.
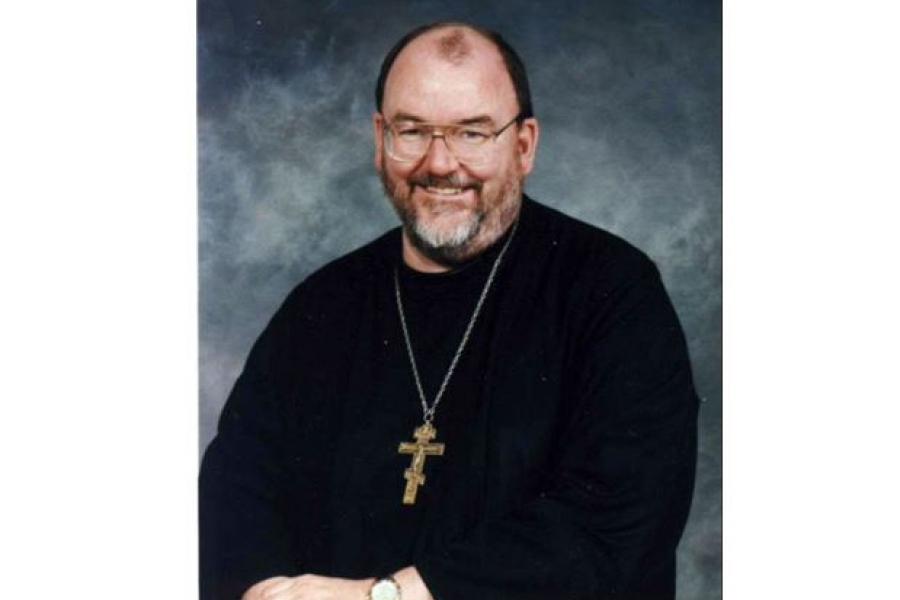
x,y
378,130
527,141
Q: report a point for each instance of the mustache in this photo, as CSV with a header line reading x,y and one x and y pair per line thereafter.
x,y
452,181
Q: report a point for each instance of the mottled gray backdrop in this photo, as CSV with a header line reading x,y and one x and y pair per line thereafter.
x,y
628,95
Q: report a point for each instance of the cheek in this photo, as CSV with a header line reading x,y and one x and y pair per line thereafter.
x,y
398,171
490,172
495,175
504,165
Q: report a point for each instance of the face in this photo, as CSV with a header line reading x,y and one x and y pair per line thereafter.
x,y
451,211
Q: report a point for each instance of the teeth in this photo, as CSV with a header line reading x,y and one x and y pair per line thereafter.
x,y
445,191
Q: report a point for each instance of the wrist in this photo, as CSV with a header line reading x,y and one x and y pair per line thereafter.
x,y
383,588
411,583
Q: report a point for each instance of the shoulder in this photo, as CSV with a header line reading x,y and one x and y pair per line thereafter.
x,y
607,285
355,268
343,279
582,252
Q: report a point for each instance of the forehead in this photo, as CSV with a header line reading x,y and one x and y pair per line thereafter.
x,y
448,75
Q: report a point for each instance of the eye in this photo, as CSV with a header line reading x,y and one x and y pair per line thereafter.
x,y
409,132
473,136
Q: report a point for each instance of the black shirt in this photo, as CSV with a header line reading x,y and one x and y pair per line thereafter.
x,y
569,426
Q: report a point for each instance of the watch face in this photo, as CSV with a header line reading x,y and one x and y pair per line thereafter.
x,y
385,590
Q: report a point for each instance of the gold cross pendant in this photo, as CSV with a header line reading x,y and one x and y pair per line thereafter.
x,y
419,449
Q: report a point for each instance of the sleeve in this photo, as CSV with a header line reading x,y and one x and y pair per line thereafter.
x,y
607,523
244,533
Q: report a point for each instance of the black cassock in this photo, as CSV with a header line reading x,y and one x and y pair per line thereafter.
x,y
569,427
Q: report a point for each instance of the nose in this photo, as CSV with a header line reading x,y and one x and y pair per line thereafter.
x,y
439,160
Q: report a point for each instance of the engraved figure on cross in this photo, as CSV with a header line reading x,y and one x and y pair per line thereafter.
x,y
419,449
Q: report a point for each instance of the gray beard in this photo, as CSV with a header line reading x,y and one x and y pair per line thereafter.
x,y
460,235
460,245
446,247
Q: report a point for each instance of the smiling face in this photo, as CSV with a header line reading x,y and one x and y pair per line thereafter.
x,y
452,211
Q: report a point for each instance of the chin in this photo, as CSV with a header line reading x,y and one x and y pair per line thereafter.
x,y
446,231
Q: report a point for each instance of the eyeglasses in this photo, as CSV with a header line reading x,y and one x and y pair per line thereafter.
x,y
409,141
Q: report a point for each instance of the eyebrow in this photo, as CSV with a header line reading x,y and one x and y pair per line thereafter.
x,y
479,120
476,120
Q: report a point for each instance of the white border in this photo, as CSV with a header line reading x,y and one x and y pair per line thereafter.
x,y
98,432
810,300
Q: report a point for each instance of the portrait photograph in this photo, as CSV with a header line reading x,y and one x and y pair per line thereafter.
x,y
293,177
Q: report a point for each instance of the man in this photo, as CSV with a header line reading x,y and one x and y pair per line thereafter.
x,y
493,401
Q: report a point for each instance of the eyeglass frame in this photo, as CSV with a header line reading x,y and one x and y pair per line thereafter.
x,y
519,118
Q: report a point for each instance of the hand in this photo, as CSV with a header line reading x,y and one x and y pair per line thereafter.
x,y
309,587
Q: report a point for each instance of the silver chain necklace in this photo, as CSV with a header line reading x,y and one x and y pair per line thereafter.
x,y
428,412
423,446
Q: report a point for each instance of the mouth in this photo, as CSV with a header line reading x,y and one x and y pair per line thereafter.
x,y
447,201
445,191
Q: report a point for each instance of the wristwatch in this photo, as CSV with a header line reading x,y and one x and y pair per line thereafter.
x,y
385,588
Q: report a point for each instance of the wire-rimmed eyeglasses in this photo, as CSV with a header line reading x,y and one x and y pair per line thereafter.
x,y
407,140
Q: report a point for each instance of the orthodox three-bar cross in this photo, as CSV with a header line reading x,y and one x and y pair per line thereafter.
x,y
419,449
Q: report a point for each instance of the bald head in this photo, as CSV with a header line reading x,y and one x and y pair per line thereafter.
x,y
455,43
453,72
